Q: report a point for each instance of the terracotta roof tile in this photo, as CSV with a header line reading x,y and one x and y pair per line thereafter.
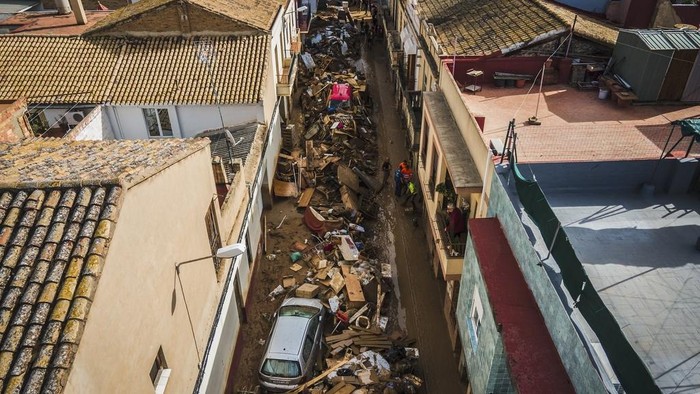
x,y
586,26
123,71
258,14
75,163
480,28
59,234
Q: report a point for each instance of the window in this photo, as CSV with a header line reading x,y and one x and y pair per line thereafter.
x,y
424,142
433,170
213,233
281,368
474,321
158,122
160,372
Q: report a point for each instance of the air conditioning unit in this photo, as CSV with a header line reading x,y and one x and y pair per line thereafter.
x,y
74,117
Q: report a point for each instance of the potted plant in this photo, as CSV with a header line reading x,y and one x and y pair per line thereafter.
x,y
448,193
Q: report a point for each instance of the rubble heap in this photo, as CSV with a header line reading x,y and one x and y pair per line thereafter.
x,y
333,172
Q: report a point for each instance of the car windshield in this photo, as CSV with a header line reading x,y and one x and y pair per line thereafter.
x,y
281,368
298,311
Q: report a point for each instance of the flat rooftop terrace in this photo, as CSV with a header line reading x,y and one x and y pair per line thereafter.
x,y
50,23
640,255
577,125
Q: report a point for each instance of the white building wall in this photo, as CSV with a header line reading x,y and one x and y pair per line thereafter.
x,y
195,119
186,120
95,126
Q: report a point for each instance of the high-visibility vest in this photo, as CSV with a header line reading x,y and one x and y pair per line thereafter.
x,y
411,188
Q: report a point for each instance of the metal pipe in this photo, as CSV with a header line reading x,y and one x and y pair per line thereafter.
x,y
571,36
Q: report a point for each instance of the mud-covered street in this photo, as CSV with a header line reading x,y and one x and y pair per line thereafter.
x,y
413,301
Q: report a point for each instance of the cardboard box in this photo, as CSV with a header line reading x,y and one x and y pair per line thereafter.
x,y
307,290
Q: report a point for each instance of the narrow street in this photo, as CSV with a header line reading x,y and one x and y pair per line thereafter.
x,y
416,304
420,301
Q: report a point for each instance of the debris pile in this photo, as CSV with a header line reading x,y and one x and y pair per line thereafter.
x,y
333,173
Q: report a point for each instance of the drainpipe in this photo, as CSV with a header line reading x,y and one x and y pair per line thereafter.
x,y
79,11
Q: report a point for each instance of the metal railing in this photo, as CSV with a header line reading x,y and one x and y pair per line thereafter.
x,y
288,71
452,247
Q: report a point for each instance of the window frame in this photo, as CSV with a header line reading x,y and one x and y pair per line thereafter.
x,y
211,222
476,315
156,113
159,373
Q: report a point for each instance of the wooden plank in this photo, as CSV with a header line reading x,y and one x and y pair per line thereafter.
x,y
352,284
348,178
323,273
344,343
310,154
305,197
347,389
336,388
284,189
349,198
337,282
320,377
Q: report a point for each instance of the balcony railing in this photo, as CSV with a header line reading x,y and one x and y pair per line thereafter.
x,y
285,81
453,248
288,71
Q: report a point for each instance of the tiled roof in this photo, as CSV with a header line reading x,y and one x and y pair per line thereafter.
x,y
53,244
586,26
46,162
258,14
59,203
481,28
44,23
133,71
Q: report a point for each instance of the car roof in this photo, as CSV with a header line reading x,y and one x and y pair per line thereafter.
x,y
314,302
287,337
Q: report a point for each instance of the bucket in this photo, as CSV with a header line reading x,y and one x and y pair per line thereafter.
x,y
603,93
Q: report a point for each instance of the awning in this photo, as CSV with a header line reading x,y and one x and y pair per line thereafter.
x,y
463,172
408,42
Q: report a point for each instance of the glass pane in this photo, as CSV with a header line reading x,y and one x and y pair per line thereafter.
x,y
308,345
281,368
151,122
298,311
165,127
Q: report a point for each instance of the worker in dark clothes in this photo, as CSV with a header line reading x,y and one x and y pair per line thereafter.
x,y
386,168
398,183
455,228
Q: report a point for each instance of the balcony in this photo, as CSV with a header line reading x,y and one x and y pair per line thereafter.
x,y
450,253
285,81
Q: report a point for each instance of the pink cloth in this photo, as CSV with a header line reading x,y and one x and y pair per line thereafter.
x,y
341,92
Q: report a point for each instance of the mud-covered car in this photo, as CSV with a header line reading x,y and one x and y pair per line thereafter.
x,y
293,344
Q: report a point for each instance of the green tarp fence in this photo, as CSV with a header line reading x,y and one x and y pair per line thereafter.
x,y
629,368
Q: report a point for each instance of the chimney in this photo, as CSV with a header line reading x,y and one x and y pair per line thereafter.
x,y
78,10
63,7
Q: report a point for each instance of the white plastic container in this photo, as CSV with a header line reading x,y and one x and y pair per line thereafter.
x,y
603,93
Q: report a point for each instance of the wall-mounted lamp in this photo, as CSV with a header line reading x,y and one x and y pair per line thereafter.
x,y
226,252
